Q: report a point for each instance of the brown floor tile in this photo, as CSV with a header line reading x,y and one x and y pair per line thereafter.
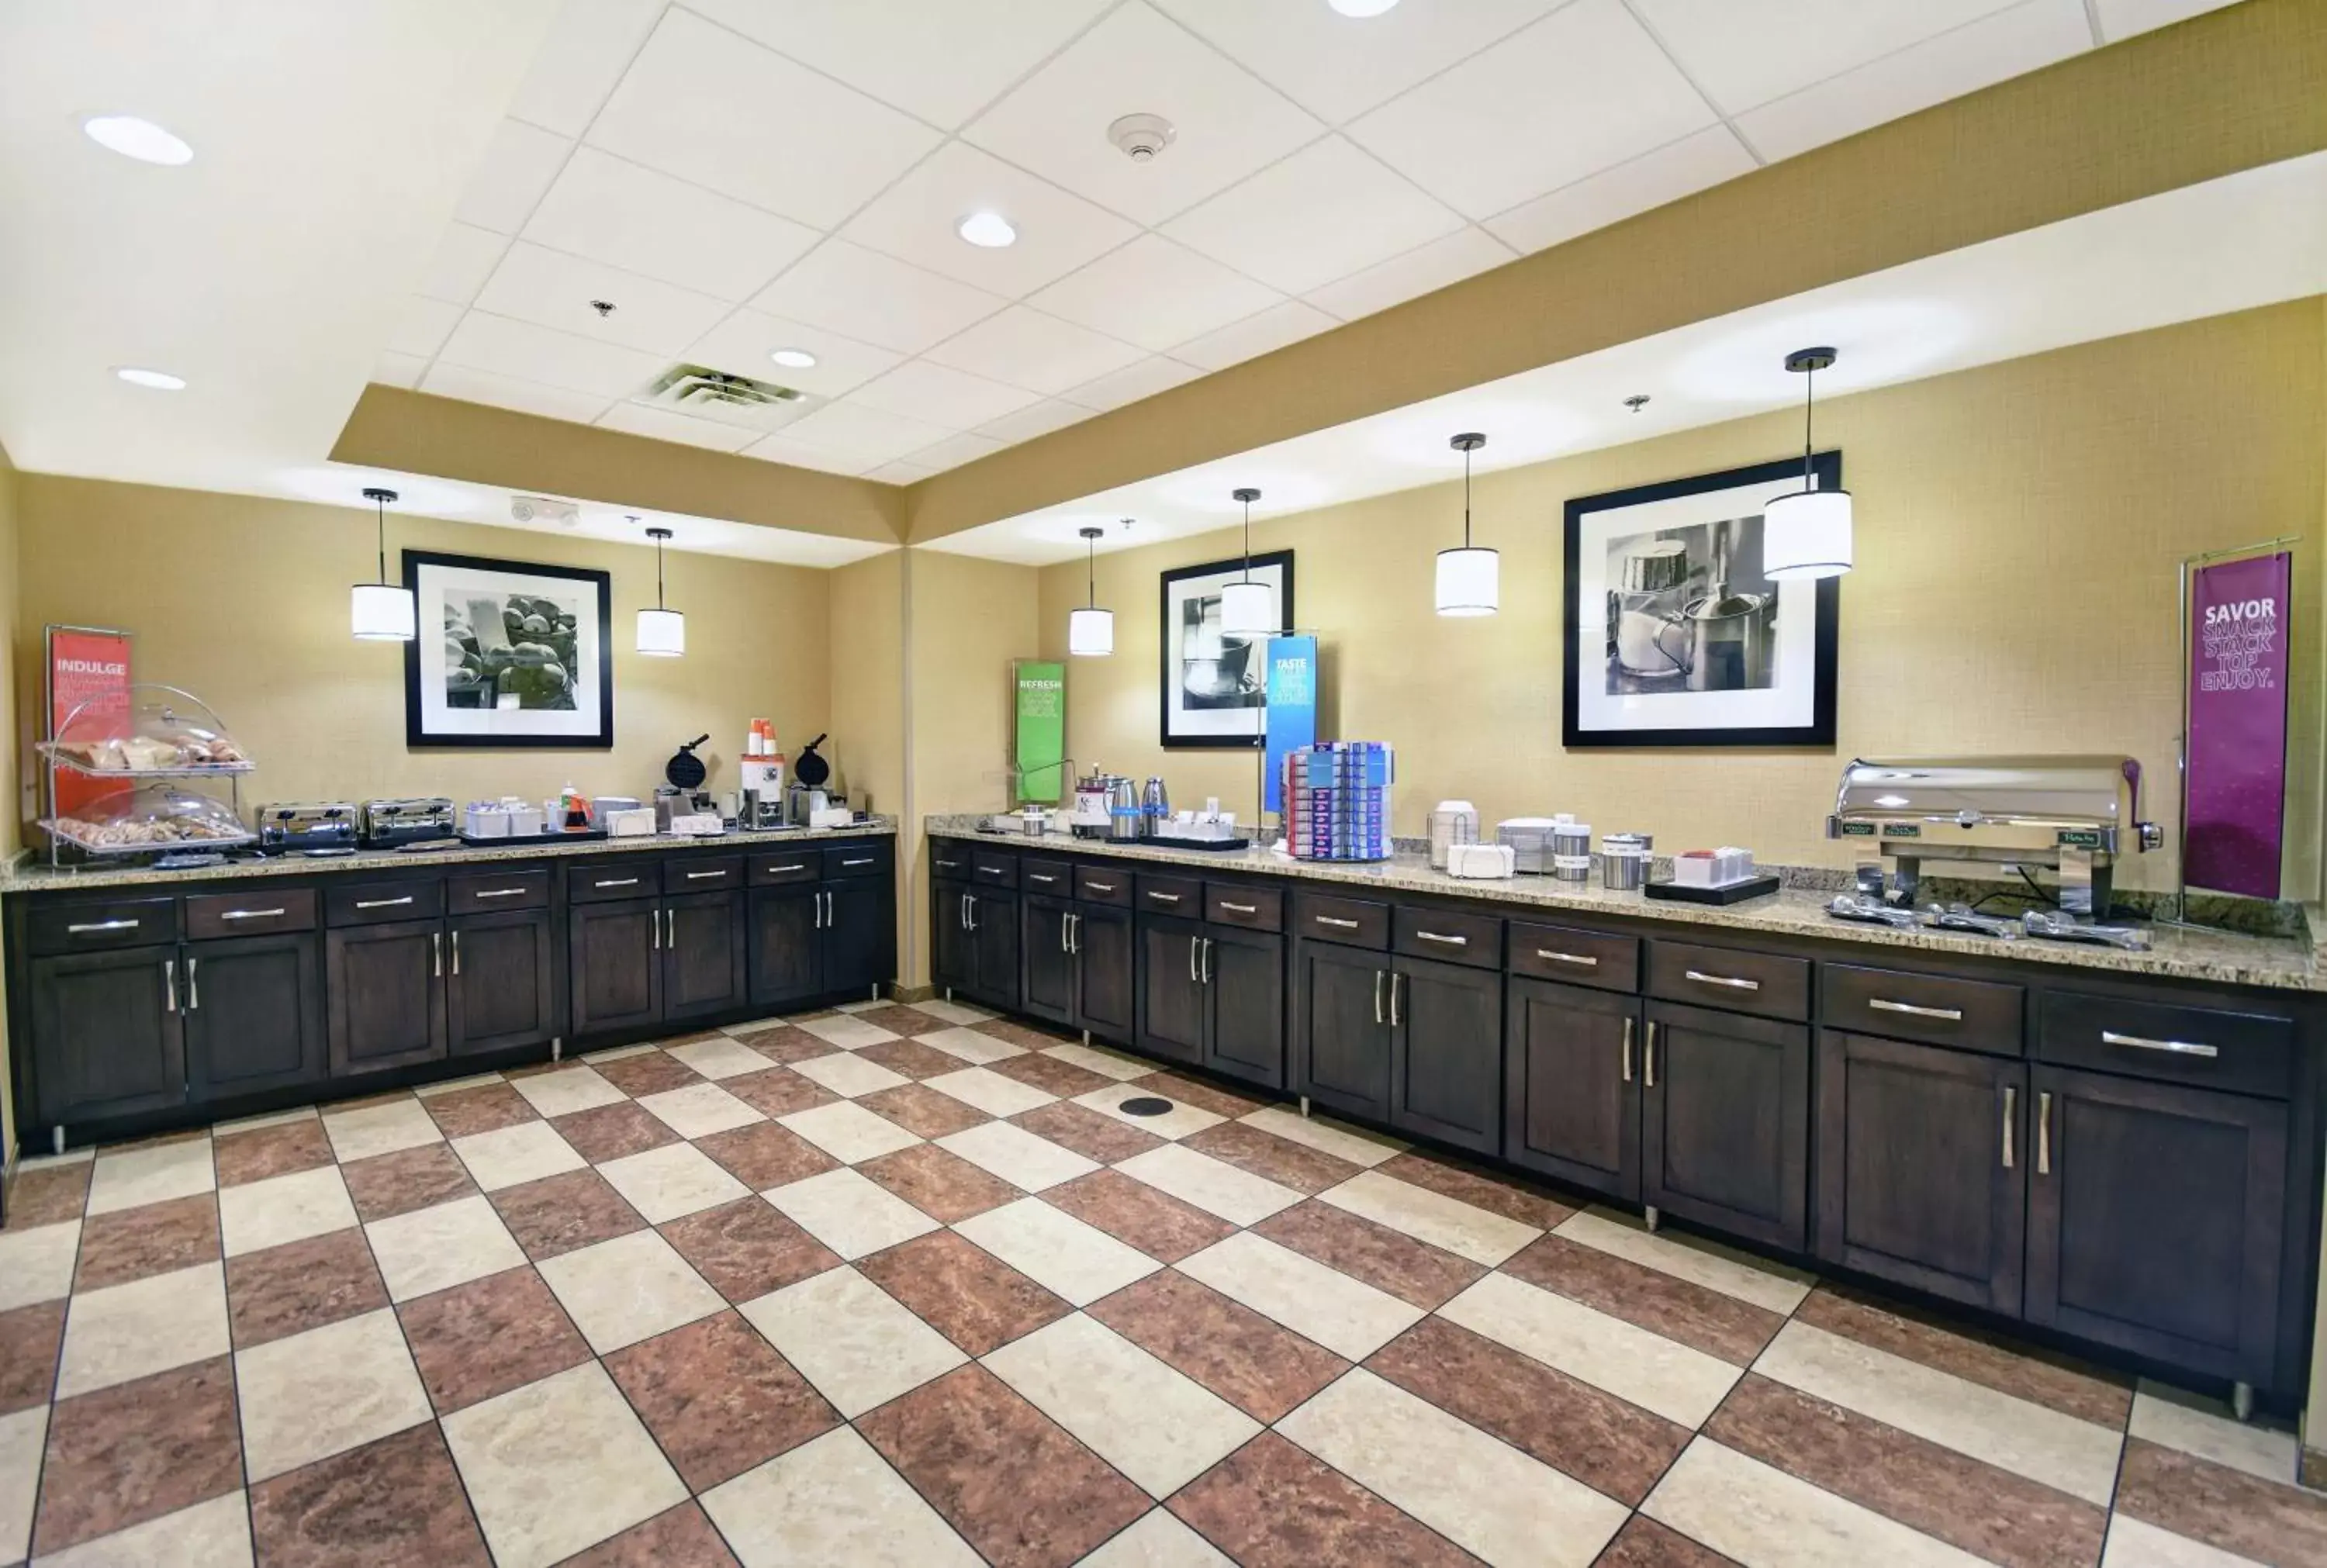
x,y
534,1068
940,1185
1281,1160
1495,1194
764,1155
910,1058
1019,1489
1413,1270
487,1337
967,1295
48,1194
565,1213
777,1092
899,1019
29,1340
2056,1382
2224,1508
1258,1367
1614,1447
1991,1513
784,1045
130,1244
1706,1320
1010,1031
1062,1078
648,1073
301,1285
1086,1132
696,1036
746,1248
397,1503
718,1398
409,1179
609,1132
479,1110
920,1109
1269,1505
680,1537
137,1451
1644,1542
264,1151
1150,1219
1201,1093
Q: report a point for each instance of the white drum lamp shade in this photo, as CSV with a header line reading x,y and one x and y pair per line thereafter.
x,y
381,611
662,633
1090,631
1248,610
1470,581
1806,535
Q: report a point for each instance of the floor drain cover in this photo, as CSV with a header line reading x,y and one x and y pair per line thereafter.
x,y
1145,1105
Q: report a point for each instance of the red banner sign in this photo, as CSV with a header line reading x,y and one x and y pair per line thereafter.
x,y
88,699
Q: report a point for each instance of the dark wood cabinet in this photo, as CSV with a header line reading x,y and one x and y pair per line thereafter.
x,y
252,1010
1923,1166
1171,988
107,1036
1446,1052
701,954
1571,1085
1106,972
994,934
784,950
860,933
614,960
503,990
387,988
1046,943
953,947
1341,1027
1725,1122
1245,1003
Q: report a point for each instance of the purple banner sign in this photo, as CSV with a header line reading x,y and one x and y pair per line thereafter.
x,y
2237,781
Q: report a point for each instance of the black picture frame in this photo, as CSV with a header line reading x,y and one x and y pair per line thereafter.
x,y
417,735
1785,473
1168,685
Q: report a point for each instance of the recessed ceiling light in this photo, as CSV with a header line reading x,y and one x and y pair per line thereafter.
x,y
1362,7
793,358
135,138
990,231
160,381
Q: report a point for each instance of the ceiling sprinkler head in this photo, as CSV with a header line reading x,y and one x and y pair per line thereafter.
x,y
604,307
1142,137
1637,401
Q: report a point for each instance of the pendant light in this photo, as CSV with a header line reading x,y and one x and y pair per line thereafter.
x,y
1805,533
1469,581
1090,631
662,632
381,611
1247,609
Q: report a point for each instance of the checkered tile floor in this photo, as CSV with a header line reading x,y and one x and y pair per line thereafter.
x,y
904,1285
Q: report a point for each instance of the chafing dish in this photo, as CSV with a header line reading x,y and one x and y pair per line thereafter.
x,y
389,823
309,825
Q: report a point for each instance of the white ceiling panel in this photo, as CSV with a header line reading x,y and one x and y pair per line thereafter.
x,y
535,353
1465,253
1118,388
549,288
398,370
1679,169
708,105
474,385
954,451
940,395
518,164
784,448
1155,292
1039,419
1321,214
903,472
1745,52
854,432
589,46
915,220
1229,123
422,326
1255,335
465,258
1028,348
614,210
2124,18
742,345
662,425
875,297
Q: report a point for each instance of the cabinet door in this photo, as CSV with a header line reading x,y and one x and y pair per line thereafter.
x,y
859,934
614,963
1105,971
701,954
1725,1122
1921,1166
1247,995
2154,1219
953,946
1171,988
993,922
1571,1085
105,1035
1341,1027
785,949
253,1012
1045,941
386,990
1446,1052
503,991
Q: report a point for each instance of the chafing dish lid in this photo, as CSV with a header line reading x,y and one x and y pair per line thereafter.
x,y
2101,791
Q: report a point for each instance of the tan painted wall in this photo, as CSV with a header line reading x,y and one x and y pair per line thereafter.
x,y
868,696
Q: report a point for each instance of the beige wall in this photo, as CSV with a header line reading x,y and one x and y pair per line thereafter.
x,y
10,745
868,698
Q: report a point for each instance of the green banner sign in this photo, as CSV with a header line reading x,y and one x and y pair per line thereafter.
x,y
1041,750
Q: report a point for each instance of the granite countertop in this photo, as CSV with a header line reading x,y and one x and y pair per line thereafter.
x,y
2221,957
31,873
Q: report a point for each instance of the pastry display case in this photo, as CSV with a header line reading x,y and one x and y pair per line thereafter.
x,y
133,772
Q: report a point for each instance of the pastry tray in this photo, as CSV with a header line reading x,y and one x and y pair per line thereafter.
x,y
152,846
72,764
1724,893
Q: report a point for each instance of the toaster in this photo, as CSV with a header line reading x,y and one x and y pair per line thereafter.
x,y
309,825
389,823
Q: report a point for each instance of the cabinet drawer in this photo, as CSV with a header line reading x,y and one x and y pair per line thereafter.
x,y
1574,957
949,860
372,903
1758,983
1102,885
851,860
2245,1052
1234,904
705,874
1448,936
989,869
528,888
110,923
802,865
1356,922
612,877
250,914
1938,1009
1171,895
1053,879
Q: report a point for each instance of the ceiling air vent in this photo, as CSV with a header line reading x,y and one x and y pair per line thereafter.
x,y
724,396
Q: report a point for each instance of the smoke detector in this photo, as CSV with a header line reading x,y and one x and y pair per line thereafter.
x,y
1142,138
545,509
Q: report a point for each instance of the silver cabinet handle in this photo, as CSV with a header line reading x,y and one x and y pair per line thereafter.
x,y
253,914
1240,908
456,952
435,954
1192,961
1951,1014
654,930
1101,887
827,908
942,865
703,875
1449,941
781,870
1335,921
1581,960
1734,981
498,892
1649,1058
392,903
2043,1134
107,926
1627,1056
989,871
1031,876
1207,960
1377,989
1077,919
2175,1047
169,986
971,901
2011,1102
867,860
1162,897
1066,924
961,912
1396,985
621,881
194,986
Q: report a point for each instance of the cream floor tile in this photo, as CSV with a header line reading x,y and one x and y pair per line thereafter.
x,y
280,1208
1097,1059
2073,1456
1178,1122
2176,1418
1077,1262
832,1501
848,1132
454,1085
720,1058
325,1391
1476,1491
848,1076
959,1013
1692,1258
433,1249
37,1265
849,1212
83,1155
511,1156
1157,1540
382,1129
272,1119
22,1434
1214,1186
1019,1157
699,1110
1656,1373
675,1180
970,1046
989,1091
848,1033
749,1026
617,1052
568,1090
557,1466
1347,1316
1355,1144
858,1006
2133,1544
1158,1427
151,1174
851,1338
629,1289
1444,1222
211,1535
1765,1519
148,1325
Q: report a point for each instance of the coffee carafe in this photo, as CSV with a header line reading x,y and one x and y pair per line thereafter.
x,y
1122,810
1155,809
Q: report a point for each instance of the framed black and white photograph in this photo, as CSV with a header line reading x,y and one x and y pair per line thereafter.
x,y
1215,682
509,653
1675,637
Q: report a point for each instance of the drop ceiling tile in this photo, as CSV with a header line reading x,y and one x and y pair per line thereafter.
x,y
954,451
474,385
914,220
1339,66
553,289
615,212
393,369
1324,213
590,44
876,298
742,343
1029,423
1464,253
942,62
854,432
904,470
710,105
662,425
1582,89
1028,348
1745,52
785,449
536,353
1144,379
1255,335
2029,36
422,327
519,162
1695,162
2124,18
1155,292
465,258
940,395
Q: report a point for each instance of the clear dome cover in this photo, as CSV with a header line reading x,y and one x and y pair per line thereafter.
x,y
147,817
163,731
